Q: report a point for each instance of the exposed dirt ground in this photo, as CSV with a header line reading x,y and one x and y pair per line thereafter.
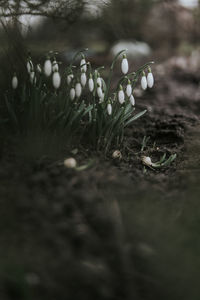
x,y
112,231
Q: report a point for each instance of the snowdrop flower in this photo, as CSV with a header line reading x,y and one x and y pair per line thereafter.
x,y
91,83
124,65
132,100
70,163
29,66
144,81
109,109
55,67
83,64
39,69
32,77
69,78
47,67
150,79
99,81
72,93
56,80
101,99
14,82
83,78
99,91
128,89
78,89
121,96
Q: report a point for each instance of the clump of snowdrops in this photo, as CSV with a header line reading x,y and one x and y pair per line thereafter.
x,y
76,102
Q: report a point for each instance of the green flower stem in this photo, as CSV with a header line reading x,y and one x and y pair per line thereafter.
x,y
76,55
111,73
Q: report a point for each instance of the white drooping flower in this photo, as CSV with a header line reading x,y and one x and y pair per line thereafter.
x,y
83,64
128,89
101,99
144,81
83,79
55,67
91,83
32,77
99,92
69,78
132,100
78,89
124,65
109,109
47,67
72,93
56,79
29,66
150,80
121,96
70,163
39,69
99,81
14,82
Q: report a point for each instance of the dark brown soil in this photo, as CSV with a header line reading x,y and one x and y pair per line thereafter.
x,y
112,231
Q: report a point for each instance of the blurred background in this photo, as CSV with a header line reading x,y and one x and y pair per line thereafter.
x,y
148,28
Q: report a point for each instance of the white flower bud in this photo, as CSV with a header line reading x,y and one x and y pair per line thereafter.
x,y
91,84
128,89
56,79
99,81
47,67
132,100
150,80
39,69
72,93
70,163
78,89
14,82
102,97
83,68
124,65
32,77
144,82
55,67
117,154
121,96
69,78
109,109
29,66
99,92
83,79
146,160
